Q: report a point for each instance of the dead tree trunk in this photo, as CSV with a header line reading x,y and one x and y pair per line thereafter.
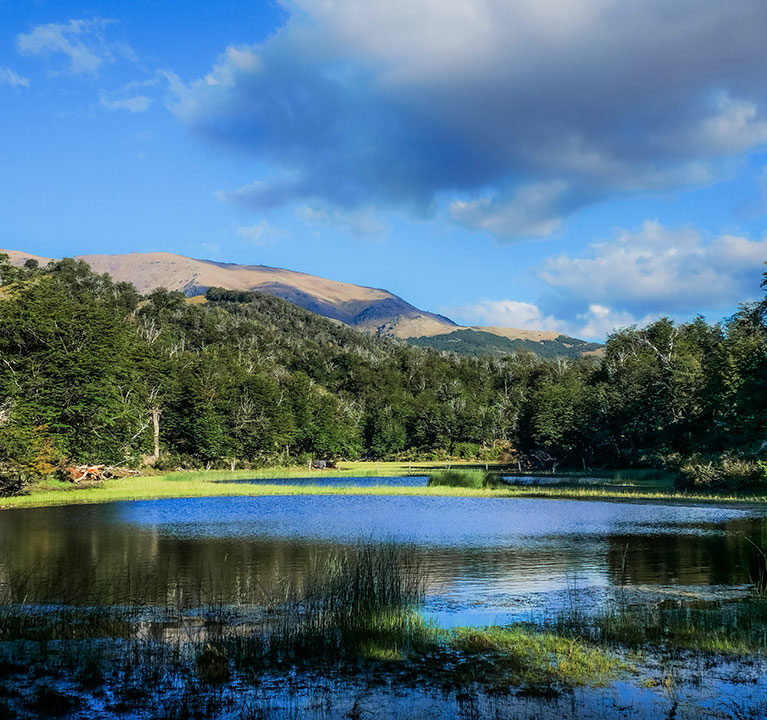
x,y
156,429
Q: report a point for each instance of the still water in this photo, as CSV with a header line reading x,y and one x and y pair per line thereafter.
x,y
488,560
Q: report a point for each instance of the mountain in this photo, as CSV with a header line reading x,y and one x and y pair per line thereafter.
x,y
479,341
371,309
367,308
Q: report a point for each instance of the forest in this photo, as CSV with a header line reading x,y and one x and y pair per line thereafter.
x,y
92,372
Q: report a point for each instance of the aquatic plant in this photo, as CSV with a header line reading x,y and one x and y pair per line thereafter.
x,y
734,628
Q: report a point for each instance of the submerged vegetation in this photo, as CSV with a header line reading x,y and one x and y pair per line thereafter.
x,y
93,373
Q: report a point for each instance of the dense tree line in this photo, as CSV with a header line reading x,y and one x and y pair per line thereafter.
x,y
92,372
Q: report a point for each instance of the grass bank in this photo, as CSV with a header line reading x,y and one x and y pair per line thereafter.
x,y
214,484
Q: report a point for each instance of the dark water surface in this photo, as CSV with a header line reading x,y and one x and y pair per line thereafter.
x,y
487,559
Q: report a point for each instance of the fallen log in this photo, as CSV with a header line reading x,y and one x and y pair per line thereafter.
x,y
78,473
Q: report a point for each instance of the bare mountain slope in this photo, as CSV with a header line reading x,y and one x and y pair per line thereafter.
x,y
364,307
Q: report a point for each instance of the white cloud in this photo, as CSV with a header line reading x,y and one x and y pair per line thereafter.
x,y
595,322
82,41
8,77
737,126
134,104
508,313
660,270
633,280
598,321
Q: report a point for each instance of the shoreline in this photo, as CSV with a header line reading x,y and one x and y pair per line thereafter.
x,y
215,483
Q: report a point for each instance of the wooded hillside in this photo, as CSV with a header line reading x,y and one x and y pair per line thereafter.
x,y
91,372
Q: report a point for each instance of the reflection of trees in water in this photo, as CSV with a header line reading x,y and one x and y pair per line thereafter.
x,y
719,555
86,553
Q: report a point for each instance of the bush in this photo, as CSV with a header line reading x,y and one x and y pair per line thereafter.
x,y
495,453
467,450
732,474
13,479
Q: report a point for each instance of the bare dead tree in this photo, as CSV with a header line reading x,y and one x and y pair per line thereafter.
x,y
5,410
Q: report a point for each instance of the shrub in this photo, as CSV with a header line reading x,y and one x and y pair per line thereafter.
x,y
494,453
12,479
467,450
733,474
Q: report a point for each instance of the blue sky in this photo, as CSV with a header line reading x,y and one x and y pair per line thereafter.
x,y
575,165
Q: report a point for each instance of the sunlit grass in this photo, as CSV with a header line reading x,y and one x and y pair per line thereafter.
x,y
538,657
214,483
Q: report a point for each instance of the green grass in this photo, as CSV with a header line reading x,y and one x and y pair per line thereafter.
x,y
459,478
213,483
528,656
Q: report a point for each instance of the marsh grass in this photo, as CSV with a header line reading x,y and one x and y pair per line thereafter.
x,y
734,629
357,602
521,655
460,478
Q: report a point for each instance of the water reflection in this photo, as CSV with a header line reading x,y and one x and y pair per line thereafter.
x,y
483,553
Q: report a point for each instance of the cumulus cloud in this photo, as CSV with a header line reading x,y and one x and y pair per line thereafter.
x,y
660,270
633,279
82,41
518,112
594,322
8,77
508,313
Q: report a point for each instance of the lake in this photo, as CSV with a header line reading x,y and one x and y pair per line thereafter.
x,y
488,560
